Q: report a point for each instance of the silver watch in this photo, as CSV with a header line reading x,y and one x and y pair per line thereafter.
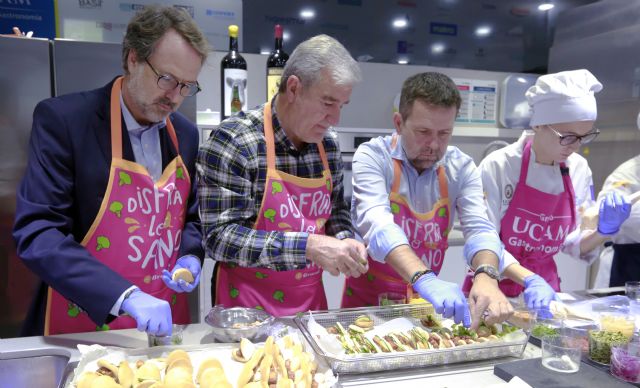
x,y
489,270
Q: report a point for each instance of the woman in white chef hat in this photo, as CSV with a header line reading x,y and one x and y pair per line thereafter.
x,y
537,188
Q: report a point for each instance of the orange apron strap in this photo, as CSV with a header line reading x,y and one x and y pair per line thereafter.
x,y
47,315
116,121
442,180
397,167
271,148
268,137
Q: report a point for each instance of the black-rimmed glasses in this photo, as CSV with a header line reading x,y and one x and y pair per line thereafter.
x,y
566,140
167,82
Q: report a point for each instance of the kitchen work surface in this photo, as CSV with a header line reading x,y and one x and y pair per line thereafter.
x,y
534,374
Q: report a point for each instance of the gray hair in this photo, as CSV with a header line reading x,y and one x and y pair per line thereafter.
x,y
149,25
316,54
430,87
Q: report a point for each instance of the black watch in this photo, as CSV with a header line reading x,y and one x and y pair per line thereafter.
x,y
488,269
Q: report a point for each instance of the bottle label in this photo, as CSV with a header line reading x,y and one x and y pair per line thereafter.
x,y
235,88
273,81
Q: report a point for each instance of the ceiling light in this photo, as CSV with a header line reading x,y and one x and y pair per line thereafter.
x,y
286,36
545,6
437,48
403,61
400,22
307,13
483,31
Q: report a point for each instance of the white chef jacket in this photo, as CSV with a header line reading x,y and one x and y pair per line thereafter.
x,y
500,174
371,212
626,180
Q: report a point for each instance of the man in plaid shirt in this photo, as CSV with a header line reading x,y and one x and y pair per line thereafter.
x,y
271,190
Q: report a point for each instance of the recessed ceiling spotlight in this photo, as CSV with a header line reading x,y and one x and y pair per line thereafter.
x,y
483,31
545,6
307,13
400,22
437,48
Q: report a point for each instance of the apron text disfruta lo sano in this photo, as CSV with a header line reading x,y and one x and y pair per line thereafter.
x,y
136,233
289,204
427,234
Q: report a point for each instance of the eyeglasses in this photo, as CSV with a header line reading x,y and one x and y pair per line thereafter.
x,y
566,140
167,82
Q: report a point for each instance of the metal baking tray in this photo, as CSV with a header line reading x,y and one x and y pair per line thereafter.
x,y
365,363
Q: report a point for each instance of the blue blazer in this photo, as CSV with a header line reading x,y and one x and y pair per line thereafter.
x,y
61,192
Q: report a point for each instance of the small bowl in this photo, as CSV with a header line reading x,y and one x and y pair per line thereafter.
x,y
625,362
166,340
600,343
235,323
579,329
561,353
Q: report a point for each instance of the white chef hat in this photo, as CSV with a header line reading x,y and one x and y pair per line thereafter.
x,y
564,97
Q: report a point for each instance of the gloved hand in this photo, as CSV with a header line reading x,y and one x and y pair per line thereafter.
x,y
152,315
447,298
614,210
188,262
538,294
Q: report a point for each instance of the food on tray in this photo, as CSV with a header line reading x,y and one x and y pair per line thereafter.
x,y
244,352
600,343
184,274
430,321
281,366
354,339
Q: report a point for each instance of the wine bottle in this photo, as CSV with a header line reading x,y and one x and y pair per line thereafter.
x,y
233,77
275,64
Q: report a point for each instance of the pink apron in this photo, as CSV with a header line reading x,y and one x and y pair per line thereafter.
x,y
136,233
427,235
289,204
534,227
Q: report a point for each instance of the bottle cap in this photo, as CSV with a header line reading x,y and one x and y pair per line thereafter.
x,y
233,31
278,31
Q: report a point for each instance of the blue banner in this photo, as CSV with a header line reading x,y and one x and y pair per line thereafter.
x,y
28,15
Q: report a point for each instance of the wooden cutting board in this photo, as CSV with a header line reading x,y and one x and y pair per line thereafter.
x,y
534,374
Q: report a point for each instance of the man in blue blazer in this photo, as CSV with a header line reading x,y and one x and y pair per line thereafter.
x,y
82,221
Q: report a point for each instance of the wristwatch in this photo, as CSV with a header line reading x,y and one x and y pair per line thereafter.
x,y
489,270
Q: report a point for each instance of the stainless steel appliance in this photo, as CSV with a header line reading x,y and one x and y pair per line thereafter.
x,y
350,139
25,80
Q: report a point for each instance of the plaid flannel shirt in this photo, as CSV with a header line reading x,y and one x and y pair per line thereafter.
x,y
232,169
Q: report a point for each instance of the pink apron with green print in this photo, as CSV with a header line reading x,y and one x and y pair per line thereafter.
x,y
136,233
427,235
289,204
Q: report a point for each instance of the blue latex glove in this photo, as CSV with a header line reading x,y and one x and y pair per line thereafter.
x,y
189,262
538,294
614,210
152,315
447,298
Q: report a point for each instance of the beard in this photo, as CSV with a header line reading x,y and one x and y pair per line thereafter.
x,y
149,112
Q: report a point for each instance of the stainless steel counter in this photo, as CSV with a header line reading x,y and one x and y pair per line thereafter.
x,y
457,375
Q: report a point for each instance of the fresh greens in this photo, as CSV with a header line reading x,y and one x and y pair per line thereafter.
x,y
540,330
